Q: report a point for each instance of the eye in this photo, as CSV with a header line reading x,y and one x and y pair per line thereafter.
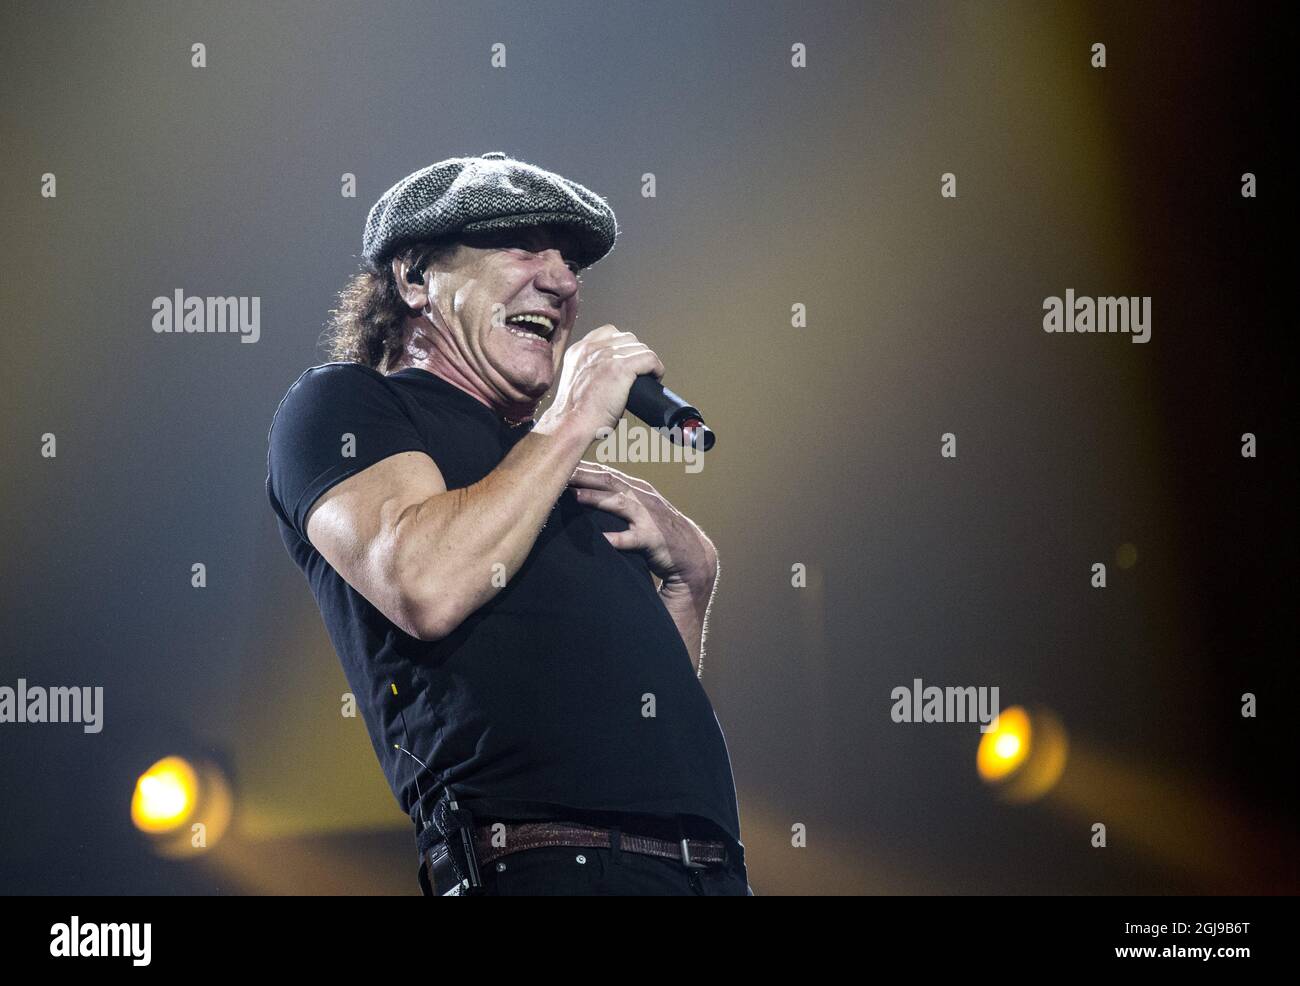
x,y
526,246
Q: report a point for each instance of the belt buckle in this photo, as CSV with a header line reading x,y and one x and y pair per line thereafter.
x,y
689,863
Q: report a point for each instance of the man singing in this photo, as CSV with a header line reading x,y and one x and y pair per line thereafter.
x,y
523,630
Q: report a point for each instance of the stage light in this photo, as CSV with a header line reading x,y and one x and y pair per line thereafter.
x,y
1004,747
1022,755
1007,746
164,795
183,808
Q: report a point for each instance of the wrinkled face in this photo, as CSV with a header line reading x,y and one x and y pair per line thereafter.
x,y
507,302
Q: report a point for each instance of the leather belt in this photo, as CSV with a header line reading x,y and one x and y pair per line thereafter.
x,y
521,836
693,853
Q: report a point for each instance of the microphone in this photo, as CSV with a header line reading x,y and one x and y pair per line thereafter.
x,y
659,407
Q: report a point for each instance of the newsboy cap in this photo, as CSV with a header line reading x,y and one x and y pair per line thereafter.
x,y
479,194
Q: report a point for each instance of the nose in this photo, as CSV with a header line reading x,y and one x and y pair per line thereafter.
x,y
554,276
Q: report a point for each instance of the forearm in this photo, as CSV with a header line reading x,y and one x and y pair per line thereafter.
x,y
452,543
688,605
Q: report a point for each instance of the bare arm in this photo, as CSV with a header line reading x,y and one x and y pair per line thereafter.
x,y
423,555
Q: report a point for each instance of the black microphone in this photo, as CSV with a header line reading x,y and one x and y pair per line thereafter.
x,y
659,407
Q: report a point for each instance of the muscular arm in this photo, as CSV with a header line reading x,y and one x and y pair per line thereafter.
x,y
423,555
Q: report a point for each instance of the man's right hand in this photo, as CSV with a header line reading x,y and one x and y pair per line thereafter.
x,y
595,379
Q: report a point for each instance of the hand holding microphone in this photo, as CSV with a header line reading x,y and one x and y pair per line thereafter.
x,y
659,407
608,371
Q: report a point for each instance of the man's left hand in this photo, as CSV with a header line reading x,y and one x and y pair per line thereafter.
x,y
676,550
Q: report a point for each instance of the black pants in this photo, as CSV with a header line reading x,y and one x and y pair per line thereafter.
x,y
563,870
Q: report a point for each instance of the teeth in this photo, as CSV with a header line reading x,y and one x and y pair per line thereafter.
x,y
531,337
541,320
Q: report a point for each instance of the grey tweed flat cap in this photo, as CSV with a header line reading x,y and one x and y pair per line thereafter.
x,y
488,192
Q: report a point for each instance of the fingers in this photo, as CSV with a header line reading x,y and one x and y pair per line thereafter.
x,y
586,479
640,358
623,540
625,345
596,476
618,502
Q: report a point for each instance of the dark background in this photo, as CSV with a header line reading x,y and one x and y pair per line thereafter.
x,y
775,186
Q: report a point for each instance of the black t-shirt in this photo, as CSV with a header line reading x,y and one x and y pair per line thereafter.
x,y
538,705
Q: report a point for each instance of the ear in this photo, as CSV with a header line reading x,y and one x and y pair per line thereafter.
x,y
415,295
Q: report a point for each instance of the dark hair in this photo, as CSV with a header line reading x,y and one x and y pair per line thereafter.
x,y
369,324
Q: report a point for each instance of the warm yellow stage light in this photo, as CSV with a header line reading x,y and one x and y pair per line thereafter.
x,y
1004,748
1024,754
164,796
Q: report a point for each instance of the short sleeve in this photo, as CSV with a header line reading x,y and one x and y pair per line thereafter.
x,y
335,421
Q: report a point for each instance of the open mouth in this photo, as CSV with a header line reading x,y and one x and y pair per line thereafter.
x,y
532,328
